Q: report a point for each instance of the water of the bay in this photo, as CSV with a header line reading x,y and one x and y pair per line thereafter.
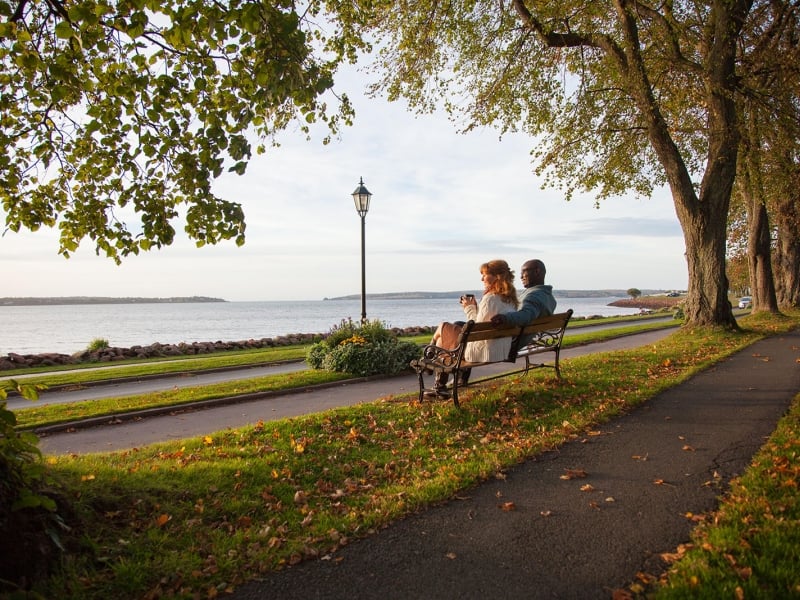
x,y
71,328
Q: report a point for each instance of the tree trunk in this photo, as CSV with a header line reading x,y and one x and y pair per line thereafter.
x,y
759,257
703,216
704,231
787,253
759,244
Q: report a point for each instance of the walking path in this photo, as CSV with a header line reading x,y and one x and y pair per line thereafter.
x,y
647,470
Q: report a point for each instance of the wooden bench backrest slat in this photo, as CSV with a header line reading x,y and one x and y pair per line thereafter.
x,y
484,330
556,321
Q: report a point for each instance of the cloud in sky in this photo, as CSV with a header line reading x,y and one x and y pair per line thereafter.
x,y
443,203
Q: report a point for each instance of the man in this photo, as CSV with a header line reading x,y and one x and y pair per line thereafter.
x,y
535,301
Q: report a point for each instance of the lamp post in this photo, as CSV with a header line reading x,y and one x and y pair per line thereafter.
x,y
361,198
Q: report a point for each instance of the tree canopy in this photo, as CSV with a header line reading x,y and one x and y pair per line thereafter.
x,y
618,95
116,116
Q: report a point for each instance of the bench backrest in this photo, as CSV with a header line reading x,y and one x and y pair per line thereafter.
x,y
545,331
543,334
553,323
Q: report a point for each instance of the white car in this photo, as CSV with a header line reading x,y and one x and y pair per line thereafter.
x,y
745,302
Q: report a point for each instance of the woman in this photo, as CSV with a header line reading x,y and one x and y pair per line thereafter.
x,y
499,297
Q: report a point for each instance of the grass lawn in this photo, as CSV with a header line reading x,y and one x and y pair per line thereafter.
x,y
200,516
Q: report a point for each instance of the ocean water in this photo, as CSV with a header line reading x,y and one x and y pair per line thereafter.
x,y
70,328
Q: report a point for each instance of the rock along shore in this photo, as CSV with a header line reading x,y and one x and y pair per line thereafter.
x,y
157,350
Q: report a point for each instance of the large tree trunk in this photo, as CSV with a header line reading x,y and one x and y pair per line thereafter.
x,y
760,258
704,231
759,244
787,252
703,217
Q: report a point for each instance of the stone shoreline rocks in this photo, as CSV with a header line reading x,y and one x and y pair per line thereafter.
x,y
157,350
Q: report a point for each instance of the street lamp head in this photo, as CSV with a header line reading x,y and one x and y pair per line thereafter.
x,y
361,198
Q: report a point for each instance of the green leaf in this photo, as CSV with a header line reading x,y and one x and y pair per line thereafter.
x,y
64,30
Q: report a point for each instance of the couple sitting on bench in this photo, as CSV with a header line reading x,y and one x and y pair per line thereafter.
x,y
501,306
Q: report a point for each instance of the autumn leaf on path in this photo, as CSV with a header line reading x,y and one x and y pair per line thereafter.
x,y
574,474
508,506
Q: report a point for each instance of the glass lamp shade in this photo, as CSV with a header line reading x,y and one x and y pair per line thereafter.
x,y
361,197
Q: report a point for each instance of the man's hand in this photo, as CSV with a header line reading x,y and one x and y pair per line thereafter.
x,y
498,320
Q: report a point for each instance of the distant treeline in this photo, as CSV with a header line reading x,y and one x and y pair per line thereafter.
x,y
557,293
102,300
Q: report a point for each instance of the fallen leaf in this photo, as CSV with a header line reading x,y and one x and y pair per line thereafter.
x,y
688,448
574,474
508,506
162,520
451,555
546,513
587,488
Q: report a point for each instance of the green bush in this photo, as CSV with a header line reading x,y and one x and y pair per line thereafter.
x,y
362,349
29,524
97,344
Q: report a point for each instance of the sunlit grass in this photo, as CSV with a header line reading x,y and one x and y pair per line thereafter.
x,y
196,517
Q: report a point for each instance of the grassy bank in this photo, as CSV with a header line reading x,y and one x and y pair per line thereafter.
x,y
197,517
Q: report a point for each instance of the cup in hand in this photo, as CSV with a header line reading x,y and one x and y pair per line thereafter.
x,y
467,298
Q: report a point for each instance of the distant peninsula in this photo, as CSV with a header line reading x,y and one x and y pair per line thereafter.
x,y
31,301
457,294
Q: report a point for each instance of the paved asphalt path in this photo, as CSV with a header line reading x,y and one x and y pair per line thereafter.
x,y
138,430
647,470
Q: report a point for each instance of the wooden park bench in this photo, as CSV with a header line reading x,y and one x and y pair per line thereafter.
x,y
543,335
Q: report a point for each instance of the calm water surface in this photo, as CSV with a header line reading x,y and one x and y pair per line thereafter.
x,y
68,329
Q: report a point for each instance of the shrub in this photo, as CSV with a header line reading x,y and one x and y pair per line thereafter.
x,y
29,524
97,344
362,349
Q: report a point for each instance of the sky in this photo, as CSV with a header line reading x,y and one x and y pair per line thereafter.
x,y
442,204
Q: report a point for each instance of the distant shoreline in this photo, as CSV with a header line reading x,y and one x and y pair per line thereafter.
x,y
76,300
457,294
62,300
